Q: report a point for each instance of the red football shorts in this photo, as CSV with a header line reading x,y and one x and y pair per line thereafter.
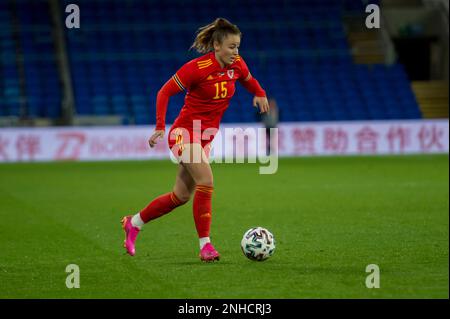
x,y
179,137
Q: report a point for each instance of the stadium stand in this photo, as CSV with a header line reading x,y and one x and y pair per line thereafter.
x,y
125,51
9,77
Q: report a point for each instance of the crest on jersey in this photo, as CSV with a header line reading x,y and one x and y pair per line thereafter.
x,y
230,73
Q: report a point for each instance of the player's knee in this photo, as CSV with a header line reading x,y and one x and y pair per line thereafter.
x,y
204,181
184,197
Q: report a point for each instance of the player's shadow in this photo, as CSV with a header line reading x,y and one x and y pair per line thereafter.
x,y
190,262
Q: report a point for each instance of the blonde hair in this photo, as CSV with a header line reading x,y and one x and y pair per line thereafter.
x,y
215,31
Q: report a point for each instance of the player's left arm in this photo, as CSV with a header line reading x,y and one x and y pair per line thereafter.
x,y
252,85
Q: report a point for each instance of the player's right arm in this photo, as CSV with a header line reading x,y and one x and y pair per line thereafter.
x,y
179,82
162,100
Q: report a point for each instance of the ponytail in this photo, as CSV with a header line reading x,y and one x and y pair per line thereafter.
x,y
215,31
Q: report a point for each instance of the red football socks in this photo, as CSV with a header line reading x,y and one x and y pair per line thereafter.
x,y
160,206
202,209
167,202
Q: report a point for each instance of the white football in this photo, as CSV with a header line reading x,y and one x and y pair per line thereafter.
x,y
258,244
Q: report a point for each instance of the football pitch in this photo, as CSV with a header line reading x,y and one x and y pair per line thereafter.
x,y
331,217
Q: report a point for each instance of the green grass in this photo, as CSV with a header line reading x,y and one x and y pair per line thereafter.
x,y
331,216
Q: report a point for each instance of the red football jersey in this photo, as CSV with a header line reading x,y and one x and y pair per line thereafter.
x,y
209,88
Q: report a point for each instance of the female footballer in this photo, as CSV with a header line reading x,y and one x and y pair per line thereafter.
x,y
209,82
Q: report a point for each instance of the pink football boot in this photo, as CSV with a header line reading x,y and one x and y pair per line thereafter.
x,y
131,233
208,253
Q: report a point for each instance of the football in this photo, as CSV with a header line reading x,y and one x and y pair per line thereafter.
x,y
258,244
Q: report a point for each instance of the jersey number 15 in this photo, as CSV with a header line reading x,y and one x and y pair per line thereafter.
x,y
221,90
